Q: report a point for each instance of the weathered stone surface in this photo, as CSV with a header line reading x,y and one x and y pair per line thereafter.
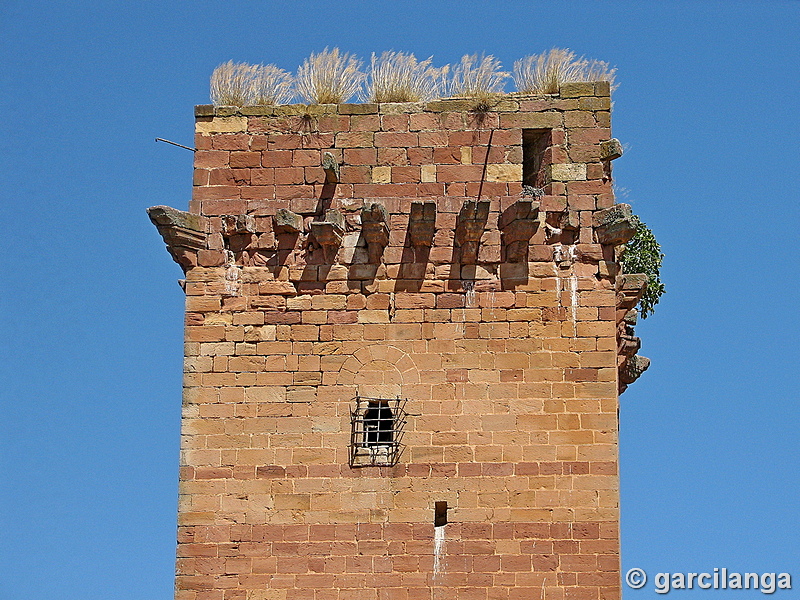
x,y
233,224
470,227
182,232
610,149
615,225
166,215
285,221
633,369
422,223
568,172
577,89
375,230
503,172
220,125
518,223
631,289
331,168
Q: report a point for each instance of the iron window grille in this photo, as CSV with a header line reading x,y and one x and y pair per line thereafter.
x,y
376,431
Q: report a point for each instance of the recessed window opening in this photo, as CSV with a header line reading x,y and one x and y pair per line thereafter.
x,y
440,514
535,158
377,431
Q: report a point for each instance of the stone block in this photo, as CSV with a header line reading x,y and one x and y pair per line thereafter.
x,y
615,225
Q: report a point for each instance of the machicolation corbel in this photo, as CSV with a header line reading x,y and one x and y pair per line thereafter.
x,y
375,229
184,233
286,221
422,223
331,168
328,233
518,223
610,149
615,225
470,226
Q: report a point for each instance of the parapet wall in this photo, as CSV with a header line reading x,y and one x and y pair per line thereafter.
x,y
462,261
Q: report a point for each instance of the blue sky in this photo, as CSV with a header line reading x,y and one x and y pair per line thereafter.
x,y
92,327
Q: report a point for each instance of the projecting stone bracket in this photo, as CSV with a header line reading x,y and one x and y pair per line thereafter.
x,y
630,291
238,224
631,365
285,221
610,149
518,223
375,230
184,233
331,168
631,370
328,233
422,223
470,226
615,225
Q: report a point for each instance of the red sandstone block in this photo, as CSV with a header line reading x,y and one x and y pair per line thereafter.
x,y
290,192
589,135
365,123
421,121
420,156
433,139
392,156
262,177
449,155
356,174
258,143
405,175
306,158
333,123
450,173
211,159
276,158
390,139
289,175
202,142
360,156
395,122
356,139
245,159
230,141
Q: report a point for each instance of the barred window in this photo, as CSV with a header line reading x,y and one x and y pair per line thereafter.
x,y
377,431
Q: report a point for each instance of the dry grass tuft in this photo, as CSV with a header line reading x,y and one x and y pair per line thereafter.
x,y
231,84
544,73
330,77
272,85
241,84
400,77
478,77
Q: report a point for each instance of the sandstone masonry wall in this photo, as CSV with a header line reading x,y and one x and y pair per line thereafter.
x,y
391,251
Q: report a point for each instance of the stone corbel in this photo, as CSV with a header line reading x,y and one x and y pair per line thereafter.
x,y
518,223
184,233
422,223
331,168
615,225
469,229
285,221
630,291
631,370
328,233
375,230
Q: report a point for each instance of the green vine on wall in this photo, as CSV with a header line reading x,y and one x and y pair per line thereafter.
x,y
642,254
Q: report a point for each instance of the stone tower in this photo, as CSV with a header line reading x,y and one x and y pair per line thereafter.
x,y
406,333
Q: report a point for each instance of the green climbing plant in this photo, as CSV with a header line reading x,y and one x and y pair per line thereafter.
x,y
642,254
